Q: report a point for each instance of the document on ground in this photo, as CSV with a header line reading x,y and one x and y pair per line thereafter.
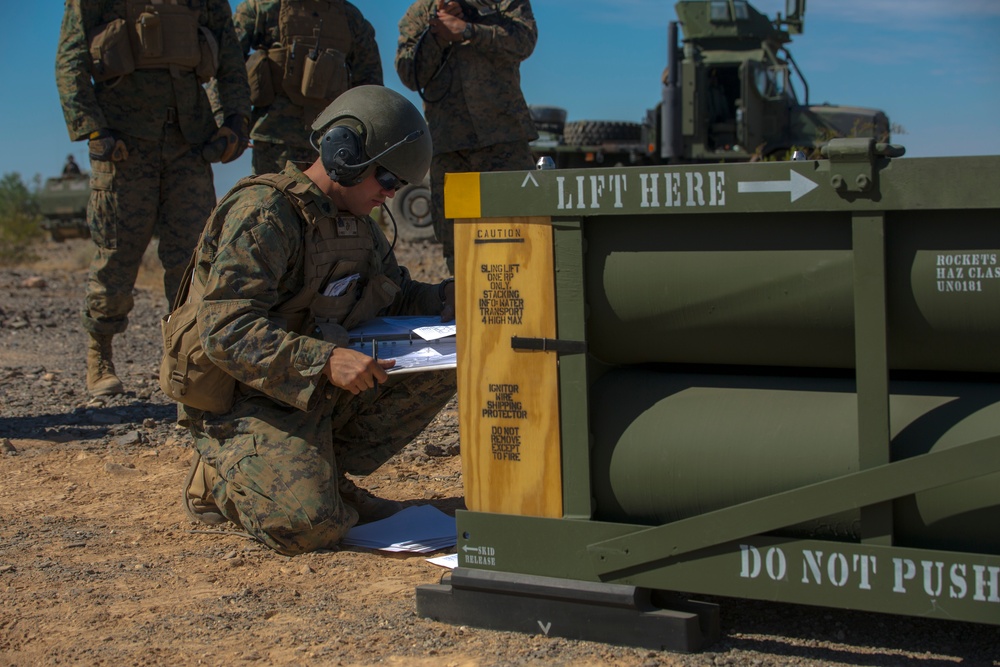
x,y
419,529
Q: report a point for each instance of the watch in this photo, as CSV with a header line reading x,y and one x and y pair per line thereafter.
x,y
469,32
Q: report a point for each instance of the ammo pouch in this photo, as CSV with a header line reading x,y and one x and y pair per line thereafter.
x,y
154,36
260,80
309,81
308,60
164,35
325,77
187,375
377,294
111,51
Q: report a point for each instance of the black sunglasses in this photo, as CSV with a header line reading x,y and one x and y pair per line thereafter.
x,y
388,180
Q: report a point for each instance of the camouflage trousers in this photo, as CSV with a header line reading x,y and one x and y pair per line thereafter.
x,y
508,156
270,158
279,467
163,188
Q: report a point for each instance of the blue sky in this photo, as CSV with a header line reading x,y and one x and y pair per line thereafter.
x,y
932,65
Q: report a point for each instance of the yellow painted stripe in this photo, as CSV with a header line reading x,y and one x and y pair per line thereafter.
x,y
461,195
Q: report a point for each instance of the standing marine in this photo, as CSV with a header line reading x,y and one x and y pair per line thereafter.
x,y
130,76
464,59
305,53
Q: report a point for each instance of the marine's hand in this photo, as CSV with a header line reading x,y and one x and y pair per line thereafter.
x,y
448,27
355,371
448,302
104,146
450,6
229,141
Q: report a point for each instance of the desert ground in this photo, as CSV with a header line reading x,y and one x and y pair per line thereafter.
x,y
99,565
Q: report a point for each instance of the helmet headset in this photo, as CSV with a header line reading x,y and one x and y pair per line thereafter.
x,y
343,154
369,127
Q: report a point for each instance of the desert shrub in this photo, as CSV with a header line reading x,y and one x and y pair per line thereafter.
x,y
19,220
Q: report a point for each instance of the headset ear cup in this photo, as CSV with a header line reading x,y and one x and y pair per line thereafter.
x,y
341,152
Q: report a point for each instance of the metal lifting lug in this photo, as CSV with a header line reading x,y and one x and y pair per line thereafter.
x,y
853,162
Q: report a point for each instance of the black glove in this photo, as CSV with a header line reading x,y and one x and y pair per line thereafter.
x,y
105,147
229,141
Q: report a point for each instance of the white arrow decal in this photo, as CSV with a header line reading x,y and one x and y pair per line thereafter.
x,y
545,628
468,549
529,177
797,185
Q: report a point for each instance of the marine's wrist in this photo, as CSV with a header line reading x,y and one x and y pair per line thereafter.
x,y
443,289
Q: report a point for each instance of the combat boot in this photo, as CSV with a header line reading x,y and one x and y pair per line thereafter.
x,y
369,507
101,378
198,500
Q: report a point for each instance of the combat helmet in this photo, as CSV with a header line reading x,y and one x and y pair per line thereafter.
x,y
368,126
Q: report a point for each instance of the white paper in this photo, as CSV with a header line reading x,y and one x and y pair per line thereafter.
x,y
418,529
436,332
416,355
421,343
340,287
449,561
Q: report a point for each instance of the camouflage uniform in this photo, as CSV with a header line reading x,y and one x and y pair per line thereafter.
x,y
165,186
475,109
281,449
280,132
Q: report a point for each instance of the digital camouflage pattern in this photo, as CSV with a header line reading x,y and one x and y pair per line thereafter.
x,y
165,186
130,201
476,100
138,105
280,467
279,131
281,449
474,107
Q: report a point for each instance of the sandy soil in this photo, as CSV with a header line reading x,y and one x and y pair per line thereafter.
x,y
99,564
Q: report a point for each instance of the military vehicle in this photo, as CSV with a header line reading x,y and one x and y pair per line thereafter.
x,y
774,380
411,209
62,203
732,93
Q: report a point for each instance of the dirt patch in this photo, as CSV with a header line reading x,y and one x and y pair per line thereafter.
x,y
99,565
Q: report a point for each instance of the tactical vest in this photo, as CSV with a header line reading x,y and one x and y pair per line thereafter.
x,y
155,34
335,248
308,64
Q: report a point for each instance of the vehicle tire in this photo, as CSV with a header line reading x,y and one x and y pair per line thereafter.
x,y
62,233
596,132
548,119
411,208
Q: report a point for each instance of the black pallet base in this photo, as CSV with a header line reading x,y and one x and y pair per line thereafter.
x,y
608,613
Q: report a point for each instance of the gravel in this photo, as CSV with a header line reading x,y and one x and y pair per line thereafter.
x,y
99,566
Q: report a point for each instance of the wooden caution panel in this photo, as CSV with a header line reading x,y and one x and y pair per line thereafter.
x,y
508,398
